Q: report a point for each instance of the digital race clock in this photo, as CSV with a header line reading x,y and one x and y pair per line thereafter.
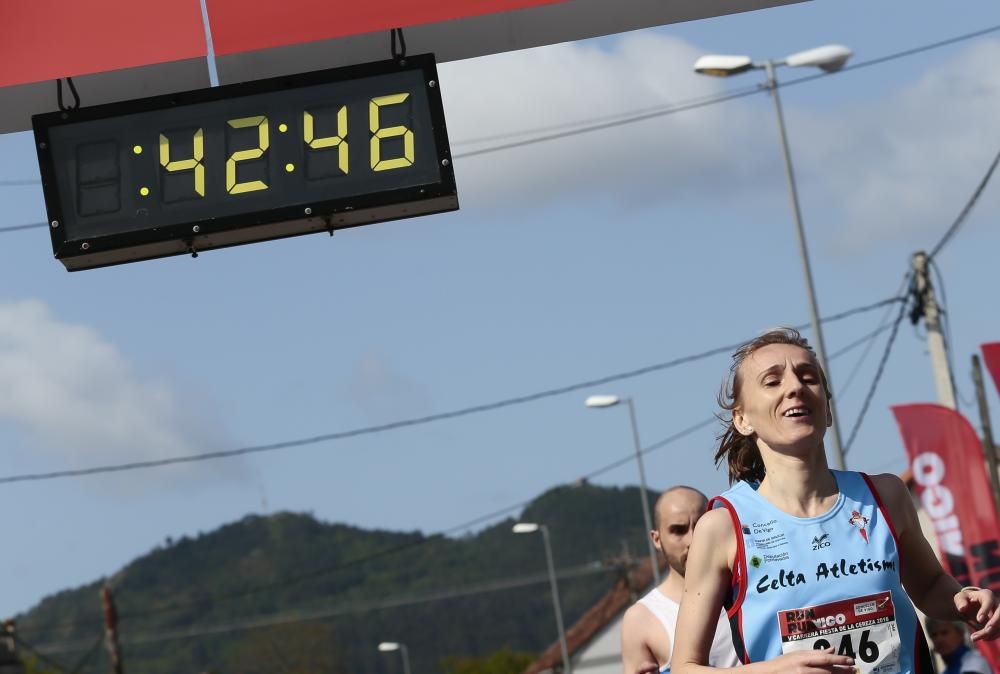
x,y
245,162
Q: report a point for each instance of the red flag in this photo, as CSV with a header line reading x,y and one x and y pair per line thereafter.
x,y
991,354
947,462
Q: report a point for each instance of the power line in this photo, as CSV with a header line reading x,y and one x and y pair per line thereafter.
x,y
592,120
18,228
496,585
878,376
883,322
966,210
683,107
405,423
291,580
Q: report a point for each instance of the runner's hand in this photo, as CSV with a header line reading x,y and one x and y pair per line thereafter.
x,y
978,607
813,662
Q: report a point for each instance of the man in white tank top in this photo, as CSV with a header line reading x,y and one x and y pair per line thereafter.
x,y
649,624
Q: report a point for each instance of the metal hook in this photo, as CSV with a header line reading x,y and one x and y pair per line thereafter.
x,y
59,95
399,53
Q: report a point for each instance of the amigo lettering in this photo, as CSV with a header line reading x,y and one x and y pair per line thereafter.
x,y
938,501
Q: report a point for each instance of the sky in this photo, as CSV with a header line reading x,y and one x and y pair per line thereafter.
x,y
569,260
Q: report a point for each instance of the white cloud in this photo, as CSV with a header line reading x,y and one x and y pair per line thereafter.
x,y
384,393
897,166
903,166
667,156
79,402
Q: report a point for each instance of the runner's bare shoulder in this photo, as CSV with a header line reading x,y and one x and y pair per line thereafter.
x,y
715,537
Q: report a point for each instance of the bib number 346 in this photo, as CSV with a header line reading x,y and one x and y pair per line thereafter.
x,y
863,628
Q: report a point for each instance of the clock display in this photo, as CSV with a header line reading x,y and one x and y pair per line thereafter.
x,y
245,162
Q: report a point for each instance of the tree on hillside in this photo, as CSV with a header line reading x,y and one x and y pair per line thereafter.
x,y
296,648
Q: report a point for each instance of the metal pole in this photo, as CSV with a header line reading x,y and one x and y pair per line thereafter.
x,y
984,417
555,599
837,449
111,631
406,658
654,562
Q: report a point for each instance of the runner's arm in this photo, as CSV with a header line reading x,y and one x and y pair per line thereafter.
x,y
930,588
707,578
636,654
706,581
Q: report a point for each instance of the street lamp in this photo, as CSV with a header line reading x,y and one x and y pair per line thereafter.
x,y
829,58
600,402
390,646
530,528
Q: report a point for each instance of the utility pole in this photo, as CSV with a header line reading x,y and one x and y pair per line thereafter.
x,y
984,418
111,631
943,381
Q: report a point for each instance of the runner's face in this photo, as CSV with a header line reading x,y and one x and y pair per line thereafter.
x,y
946,639
782,397
677,513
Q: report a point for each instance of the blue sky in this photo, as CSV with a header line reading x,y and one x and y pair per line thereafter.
x,y
568,260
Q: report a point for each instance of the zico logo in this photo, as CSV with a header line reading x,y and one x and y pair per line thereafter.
x,y
821,541
938,501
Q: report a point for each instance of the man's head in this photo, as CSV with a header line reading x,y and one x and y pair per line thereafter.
x,y
676,512
946,636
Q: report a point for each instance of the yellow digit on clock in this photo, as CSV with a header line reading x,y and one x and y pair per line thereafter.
x,y
194,162
379,133
339,141
263,142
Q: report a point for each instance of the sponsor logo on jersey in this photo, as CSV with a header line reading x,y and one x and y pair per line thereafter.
x,y
821,541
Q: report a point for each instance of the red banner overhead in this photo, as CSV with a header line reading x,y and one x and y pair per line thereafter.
x,y
118,50
114,50
991,354
239,26
947,463
48,39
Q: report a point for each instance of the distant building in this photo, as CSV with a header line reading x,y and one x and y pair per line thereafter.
x,y
594,641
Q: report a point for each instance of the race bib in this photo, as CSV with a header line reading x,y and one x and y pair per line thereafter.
x,y
863,628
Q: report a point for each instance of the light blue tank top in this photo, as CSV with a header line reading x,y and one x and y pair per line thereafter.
x,y
832,580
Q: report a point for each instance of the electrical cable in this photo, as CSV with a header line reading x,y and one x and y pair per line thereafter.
x,y
966,210
884,321
683,107
405,423
464,526
19,640
268,620
875,380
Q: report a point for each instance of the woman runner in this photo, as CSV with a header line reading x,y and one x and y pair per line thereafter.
x,y
816,568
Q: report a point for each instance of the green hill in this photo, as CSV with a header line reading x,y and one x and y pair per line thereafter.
x,y
287,594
